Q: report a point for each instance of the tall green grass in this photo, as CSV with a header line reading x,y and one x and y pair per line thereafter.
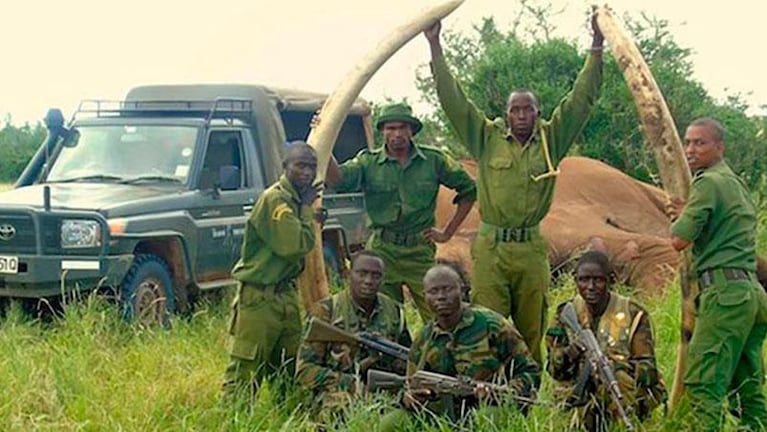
x,y
91,371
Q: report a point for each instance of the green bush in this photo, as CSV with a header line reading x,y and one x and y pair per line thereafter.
x,y
17,145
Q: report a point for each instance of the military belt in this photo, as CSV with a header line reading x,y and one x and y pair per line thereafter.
x,y
506,235
709,277
399,238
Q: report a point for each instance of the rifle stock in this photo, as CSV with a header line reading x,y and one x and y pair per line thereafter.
x,y
598,361
321,331
378,380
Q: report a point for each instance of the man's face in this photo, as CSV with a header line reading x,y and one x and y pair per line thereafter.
x,y
442,293
522,112
701,147
397,135
592,284
301,169
366,277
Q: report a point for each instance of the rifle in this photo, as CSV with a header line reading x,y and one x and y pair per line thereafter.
x,y
460,386
598,361
321,331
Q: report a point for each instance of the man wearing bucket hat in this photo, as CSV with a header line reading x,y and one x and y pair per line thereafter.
x,y
400,181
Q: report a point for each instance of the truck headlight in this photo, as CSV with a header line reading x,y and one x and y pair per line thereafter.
x,y
80,233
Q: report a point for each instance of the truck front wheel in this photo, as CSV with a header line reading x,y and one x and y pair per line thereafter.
x,y
146,292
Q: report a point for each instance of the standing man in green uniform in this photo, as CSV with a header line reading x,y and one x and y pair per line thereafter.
x,y
719,221
265,327
624,333
517,161
463,340
335,372
400,181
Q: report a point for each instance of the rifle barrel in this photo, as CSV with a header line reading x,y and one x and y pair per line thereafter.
x,y
385,346
322,331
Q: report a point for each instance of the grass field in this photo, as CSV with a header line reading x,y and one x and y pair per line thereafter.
x,y
91,371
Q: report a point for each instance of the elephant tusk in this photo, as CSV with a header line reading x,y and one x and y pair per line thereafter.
x,y
662,137
335,108
313,283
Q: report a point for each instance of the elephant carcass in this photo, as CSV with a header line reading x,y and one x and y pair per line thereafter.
x,y
591,199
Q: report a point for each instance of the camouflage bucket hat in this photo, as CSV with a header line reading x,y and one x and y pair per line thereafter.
x,y
399,112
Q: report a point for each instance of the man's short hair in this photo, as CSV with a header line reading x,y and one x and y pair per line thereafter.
x,y
595,257
295,148
712,124
443,268
521,90
368,253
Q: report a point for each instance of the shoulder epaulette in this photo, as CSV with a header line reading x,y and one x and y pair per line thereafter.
x,y
431,148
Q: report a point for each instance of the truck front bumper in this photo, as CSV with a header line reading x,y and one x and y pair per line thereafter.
x,y
50,275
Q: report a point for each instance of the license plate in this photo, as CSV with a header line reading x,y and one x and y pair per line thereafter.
x,y
9,264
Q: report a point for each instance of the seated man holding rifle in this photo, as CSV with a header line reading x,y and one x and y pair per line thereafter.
x,y
601,349
465,356
350,332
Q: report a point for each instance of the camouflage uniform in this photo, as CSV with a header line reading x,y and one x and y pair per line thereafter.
x,y
483,346
332,370
265,326
400,203
625,336
510,262
725,353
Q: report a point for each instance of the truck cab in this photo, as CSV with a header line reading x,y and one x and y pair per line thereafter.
x,y
150,195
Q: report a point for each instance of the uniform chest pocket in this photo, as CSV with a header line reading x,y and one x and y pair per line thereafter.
x,y
381,185
500,170
421,193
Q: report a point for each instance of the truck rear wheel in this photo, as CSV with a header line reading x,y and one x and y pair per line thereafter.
x,y
146,293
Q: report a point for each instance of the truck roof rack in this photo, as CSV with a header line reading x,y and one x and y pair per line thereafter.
x,y
227,108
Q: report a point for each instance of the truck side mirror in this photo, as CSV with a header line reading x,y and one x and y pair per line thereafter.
x,y
54,120
229,177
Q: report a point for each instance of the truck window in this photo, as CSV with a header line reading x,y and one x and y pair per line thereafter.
x,y
224,149
126,152
351,137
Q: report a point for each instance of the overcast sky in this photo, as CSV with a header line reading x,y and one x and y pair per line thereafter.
x,y
56,53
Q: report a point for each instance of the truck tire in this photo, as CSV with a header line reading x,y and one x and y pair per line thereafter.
x,y
146,293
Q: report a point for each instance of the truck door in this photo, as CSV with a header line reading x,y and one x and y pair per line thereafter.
x,y
221,217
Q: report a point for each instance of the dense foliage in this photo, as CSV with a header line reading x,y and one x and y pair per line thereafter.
x,y
17,145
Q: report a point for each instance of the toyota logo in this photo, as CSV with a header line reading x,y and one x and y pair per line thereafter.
x,y
7,231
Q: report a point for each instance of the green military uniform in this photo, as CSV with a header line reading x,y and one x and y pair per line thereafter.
x,y
265,327
725,353
400,203
481,346
510,264
332,370
625,336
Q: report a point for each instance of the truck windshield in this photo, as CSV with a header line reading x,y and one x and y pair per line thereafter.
x,y
126,153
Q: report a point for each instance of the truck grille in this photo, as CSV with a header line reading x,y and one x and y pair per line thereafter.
x,y
17,234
